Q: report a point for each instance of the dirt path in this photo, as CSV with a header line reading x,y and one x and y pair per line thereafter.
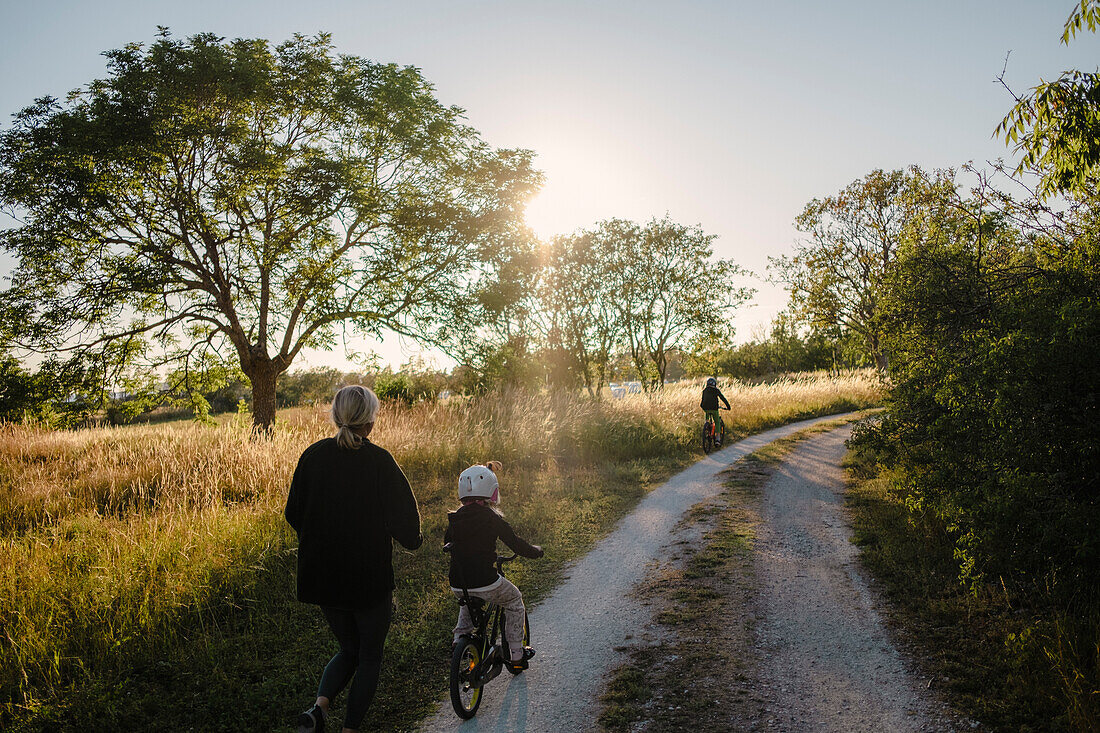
x,y
577,628
826,662
761,619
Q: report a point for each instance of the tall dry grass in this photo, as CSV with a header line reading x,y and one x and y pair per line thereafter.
x,y
115,542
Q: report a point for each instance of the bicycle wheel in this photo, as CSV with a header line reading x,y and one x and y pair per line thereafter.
x,y
465,697
526,642
708,440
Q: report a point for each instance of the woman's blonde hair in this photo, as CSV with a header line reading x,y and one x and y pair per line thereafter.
x,y
353,407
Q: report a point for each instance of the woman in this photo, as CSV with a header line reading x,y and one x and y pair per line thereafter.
x,y
347,500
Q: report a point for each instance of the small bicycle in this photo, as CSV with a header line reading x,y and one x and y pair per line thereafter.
x,y
478,657
711,438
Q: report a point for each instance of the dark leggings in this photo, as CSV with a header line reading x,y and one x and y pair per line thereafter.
x,y
361,634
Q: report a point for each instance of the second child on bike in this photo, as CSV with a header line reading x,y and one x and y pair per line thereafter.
x,y
709,404
472,531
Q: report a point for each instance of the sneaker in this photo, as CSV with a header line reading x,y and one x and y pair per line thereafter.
x,y
312,720
518,665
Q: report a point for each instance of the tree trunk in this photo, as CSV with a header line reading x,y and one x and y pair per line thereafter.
x,y
660,360
640,362
882,361
263,376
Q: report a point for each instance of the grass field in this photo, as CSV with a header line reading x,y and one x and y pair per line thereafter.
x,y
146,574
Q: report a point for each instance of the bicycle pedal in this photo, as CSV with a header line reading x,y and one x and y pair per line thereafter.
x,y
528,652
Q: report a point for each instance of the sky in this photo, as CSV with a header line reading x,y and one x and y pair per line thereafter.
x,y
727,114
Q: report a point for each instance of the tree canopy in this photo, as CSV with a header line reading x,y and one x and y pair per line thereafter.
x,y
214,200
577,305
669,290
1056,127
835,274
646,290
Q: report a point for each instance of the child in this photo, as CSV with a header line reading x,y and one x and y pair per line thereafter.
x,y
472,532
709,405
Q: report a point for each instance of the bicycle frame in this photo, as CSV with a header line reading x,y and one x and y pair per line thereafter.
x,y
487,618
488,624
712,436
709,436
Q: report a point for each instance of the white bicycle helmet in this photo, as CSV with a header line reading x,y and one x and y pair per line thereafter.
x,y
478,482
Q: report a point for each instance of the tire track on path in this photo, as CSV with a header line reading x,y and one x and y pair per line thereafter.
x,y
576,628
826,661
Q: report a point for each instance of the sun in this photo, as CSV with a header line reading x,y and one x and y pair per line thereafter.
x,y
543,215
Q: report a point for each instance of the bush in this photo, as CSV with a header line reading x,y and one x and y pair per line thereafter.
x,y
994,409
393,387
993,424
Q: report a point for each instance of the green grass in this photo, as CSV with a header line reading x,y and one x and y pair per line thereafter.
x,y
625,695
146,575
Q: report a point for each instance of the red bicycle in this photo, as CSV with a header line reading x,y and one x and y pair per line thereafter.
x,y
712,439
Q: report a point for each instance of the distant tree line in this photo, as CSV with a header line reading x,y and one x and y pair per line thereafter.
x,y
49,397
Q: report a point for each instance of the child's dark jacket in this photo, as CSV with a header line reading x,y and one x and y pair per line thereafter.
x,y
710,399
473,531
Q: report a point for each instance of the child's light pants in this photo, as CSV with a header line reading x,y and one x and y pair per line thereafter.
x,y
507,596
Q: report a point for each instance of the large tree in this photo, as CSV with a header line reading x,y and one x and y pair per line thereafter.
x,y
577,299
835,276
668,290
239,198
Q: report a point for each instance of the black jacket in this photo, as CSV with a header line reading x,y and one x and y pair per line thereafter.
x,y
345,506
710,399
473,531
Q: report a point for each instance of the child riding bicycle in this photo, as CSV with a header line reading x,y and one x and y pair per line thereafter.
x,y
472,532
709,404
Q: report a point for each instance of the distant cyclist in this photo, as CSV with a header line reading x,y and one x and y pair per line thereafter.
x,y
709,403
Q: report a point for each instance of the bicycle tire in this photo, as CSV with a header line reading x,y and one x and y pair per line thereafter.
x,y
465,698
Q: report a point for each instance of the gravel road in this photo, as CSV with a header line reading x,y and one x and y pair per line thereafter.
x,y
576,629
826,662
